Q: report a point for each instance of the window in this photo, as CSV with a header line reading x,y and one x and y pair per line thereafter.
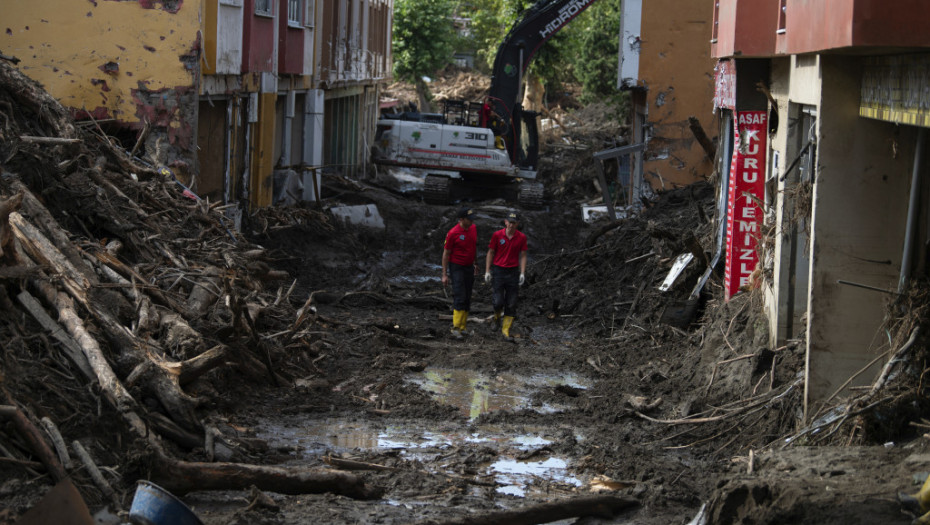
x,y
311,14
263,7
294,12
713,37
782,23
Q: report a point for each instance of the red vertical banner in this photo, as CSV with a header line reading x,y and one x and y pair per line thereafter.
x,y
746,194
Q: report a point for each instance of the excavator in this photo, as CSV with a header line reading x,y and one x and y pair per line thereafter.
x,y
475,149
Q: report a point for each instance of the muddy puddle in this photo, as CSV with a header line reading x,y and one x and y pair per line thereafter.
x,y
515,468
475,393
417,272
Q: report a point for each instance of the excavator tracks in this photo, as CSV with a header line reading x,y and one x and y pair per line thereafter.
x,y
530,194
436,189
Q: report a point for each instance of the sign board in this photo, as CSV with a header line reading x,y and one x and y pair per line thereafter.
x,y
725,84
747,193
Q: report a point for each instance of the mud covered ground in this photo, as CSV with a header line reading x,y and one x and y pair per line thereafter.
x,y
610,396
590,308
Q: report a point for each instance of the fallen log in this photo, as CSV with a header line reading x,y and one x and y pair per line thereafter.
x,y
599,506
181,477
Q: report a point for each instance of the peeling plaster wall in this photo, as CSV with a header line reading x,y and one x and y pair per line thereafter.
x,y
134,62
677,69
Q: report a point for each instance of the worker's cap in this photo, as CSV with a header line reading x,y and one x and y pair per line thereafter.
x,y
465,213
513,217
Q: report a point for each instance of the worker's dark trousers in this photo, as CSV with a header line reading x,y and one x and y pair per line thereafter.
x,y
463,280
505,283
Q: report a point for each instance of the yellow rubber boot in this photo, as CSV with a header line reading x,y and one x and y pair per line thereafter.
x,y
457,323
923,497
506,322
918,503
497,319
464,320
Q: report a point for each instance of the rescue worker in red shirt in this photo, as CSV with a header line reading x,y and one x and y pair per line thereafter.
x,y
459,266
505,270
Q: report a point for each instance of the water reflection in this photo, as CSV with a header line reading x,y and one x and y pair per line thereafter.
x,y
476,393
416,443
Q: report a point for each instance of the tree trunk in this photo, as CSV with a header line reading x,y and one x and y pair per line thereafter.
x,y
182,477
423,96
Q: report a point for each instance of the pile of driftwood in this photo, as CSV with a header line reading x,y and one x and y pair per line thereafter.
x,y
144,288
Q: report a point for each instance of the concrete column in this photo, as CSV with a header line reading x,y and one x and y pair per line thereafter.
x,y
860,199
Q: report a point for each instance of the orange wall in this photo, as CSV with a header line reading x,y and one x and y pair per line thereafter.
x,y
677,69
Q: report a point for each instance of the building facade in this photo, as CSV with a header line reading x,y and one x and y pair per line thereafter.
x,y
666,65
824,106
246,100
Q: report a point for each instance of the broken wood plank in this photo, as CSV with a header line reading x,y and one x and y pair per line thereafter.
x,y
48,140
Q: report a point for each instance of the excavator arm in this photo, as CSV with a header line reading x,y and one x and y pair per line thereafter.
x,y
503,112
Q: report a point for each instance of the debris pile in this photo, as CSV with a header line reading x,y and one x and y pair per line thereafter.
x,y
113,274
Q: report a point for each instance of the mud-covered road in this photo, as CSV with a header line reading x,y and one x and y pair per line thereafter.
x,y
593,399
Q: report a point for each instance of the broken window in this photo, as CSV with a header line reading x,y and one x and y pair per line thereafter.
x,y
782,22
263,7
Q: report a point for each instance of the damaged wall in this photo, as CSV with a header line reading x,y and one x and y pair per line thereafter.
x,y
129,63
677,70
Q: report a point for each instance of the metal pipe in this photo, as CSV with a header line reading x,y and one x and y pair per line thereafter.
x,y
912,209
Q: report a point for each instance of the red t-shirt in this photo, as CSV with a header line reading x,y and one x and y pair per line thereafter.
x,y
507,251
462,244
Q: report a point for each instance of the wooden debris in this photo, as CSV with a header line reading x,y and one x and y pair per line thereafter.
x,y
604,507
181,477
59,443
33,437
95,474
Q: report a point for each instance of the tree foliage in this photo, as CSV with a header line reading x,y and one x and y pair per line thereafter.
x,y
584,51
597,37
423,40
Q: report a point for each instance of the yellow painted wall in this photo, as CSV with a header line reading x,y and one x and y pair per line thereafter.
x,y
676,65
67,44
262,165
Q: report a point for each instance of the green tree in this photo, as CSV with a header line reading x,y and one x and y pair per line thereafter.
x,y
584,51
597,32
423,41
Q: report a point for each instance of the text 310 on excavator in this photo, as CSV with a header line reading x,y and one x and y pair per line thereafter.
x,y
473,148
